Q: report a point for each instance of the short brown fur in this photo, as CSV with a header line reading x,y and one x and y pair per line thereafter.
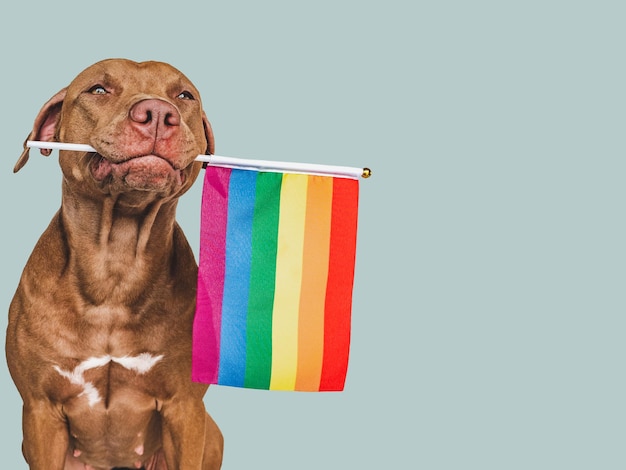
x,y
113,277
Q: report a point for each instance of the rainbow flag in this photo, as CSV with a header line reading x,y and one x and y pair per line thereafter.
x,y
277,256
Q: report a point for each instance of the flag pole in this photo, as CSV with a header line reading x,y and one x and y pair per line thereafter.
x,y
240,163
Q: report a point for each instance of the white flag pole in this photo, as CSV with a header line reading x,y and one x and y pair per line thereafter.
x,y
238,163
60,146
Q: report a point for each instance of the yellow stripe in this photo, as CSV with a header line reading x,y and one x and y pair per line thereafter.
x,y
288,281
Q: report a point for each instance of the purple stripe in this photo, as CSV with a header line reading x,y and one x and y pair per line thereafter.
x,y
208,319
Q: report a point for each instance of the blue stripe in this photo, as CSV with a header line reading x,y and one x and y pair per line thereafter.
x,y
241,195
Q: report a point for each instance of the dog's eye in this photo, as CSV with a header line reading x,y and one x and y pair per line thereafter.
x,y
97,90
185,95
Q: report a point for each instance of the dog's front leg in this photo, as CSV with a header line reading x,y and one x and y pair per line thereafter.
x,y
187,442
45,436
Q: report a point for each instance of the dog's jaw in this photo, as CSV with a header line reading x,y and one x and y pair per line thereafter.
x,y
146,173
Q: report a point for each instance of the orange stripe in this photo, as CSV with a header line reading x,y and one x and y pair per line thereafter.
x,y
314,278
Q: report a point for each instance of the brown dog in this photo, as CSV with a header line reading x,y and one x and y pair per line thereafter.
x,y
99,335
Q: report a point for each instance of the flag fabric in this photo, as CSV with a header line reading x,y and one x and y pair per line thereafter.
x,y
275,279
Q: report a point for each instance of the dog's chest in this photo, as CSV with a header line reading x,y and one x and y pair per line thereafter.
x,y
115,354
96,379
110,405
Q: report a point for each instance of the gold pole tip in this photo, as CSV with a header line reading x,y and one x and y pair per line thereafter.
x,y
366,173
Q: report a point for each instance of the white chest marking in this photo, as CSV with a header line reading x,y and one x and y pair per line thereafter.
x,y
139,364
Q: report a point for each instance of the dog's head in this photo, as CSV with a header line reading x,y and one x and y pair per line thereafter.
x,y
144,119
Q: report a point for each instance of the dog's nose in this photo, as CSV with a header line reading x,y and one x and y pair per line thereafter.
x,y
155,118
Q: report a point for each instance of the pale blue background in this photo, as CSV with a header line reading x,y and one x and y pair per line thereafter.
x,y
489,310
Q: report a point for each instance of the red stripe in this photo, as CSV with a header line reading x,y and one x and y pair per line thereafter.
x,y
340,282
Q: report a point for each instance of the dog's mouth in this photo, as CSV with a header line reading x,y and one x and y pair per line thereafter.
x,y
147,172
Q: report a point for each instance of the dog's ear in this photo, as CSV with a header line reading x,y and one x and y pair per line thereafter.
x,y
208,132
44,128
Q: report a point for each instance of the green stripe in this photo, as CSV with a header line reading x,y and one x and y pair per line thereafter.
x,y
262,277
